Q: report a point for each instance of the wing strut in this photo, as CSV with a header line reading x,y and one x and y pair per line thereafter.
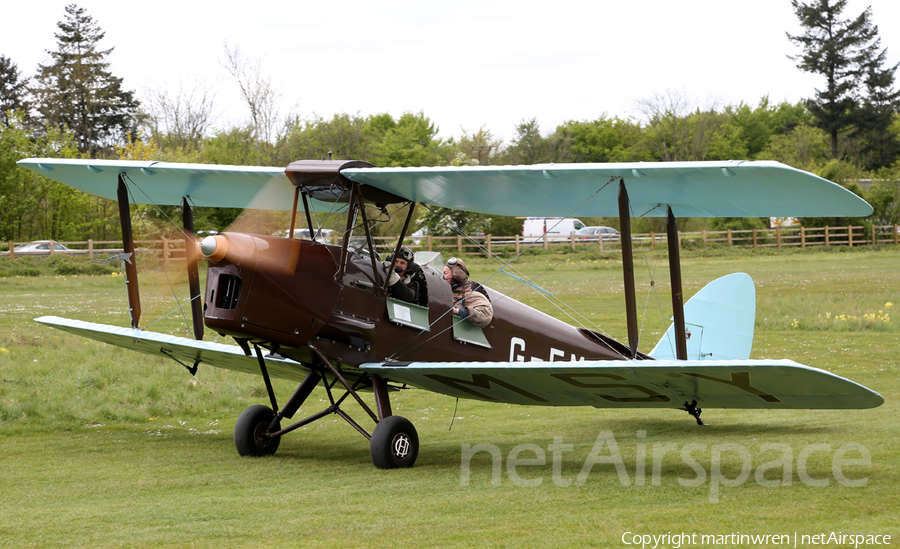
x,y
369,242
294,214
191,255
677,295
396,253
345,242
131,280
628,268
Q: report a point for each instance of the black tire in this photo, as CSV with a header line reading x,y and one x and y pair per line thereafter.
x,y
394,444
249,432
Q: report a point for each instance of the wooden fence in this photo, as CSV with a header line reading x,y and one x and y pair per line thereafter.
x,y
167,249
173,249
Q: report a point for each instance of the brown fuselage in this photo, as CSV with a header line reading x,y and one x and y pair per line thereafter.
x,y
290,295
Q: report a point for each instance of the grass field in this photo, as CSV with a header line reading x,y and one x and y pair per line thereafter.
x,y
105,448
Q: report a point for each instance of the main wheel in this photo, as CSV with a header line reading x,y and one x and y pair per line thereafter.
x,y
395,443
249,432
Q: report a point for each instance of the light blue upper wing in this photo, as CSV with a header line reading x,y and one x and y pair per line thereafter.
x,y
165,183
693,189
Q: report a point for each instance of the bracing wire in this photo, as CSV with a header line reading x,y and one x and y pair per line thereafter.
x,y
565,309
180,306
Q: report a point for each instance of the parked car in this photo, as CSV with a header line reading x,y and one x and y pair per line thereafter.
x,y
40,247
596,233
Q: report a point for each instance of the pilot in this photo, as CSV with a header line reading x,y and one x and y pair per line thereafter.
x,y
407,281
470,299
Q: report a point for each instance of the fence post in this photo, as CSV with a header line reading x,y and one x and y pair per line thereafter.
x,y
704,238
90,248
517,244
850,236
895,233
459,244
600,240
730,242
572,240
546,245
12,248
778,235
802,237
827,239
652,240
874,235
487,242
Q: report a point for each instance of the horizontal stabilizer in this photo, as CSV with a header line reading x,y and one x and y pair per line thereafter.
x,y
719,322
187,351
762,384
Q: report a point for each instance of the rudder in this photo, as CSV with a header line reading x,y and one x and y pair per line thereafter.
x,y
719,321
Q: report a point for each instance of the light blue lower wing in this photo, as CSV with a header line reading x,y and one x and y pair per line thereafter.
x,y
187,351
637,384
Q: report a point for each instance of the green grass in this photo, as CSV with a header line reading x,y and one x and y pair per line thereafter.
x,y
104,448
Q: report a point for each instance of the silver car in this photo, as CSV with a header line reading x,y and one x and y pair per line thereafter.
x,y
40,247
593,234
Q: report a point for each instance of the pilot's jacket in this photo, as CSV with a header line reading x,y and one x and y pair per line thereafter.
x,y
411,287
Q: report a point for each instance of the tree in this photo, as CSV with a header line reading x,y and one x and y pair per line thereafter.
x,y
13,90
601,140
675,131
261,96
411,141
842,51
32,206
346,136
878,111
481,146
805,147
528,146
78,92
180,120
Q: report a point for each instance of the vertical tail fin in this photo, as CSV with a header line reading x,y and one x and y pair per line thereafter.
x,y
719,321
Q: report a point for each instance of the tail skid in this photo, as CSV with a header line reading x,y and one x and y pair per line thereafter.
x,y
719,321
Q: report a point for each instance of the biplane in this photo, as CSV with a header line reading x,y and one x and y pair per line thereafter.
x,y
321,314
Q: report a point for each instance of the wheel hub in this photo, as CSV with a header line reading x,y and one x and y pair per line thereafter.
x,y
400,446
261,436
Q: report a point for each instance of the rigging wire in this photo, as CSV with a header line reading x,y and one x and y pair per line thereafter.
x,y
159,262
558,303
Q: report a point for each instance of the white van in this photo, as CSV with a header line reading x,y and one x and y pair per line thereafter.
x,y
556,228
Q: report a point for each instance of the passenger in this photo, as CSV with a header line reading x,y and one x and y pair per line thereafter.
x,y
407,281
470,299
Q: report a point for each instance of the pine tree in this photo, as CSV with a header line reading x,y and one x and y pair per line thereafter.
x,y
77,90
13,91
881,105
840,50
